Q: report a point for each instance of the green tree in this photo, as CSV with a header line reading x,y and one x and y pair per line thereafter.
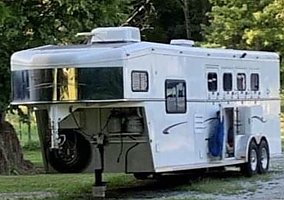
x,y
163,20
29,23
4,12
229,20
267,31
26,24
247,24
179,19
195,15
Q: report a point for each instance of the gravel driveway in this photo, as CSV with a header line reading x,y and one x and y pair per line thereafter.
x,y
270,187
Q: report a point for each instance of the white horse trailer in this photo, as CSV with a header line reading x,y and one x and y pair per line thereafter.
x,y
121,105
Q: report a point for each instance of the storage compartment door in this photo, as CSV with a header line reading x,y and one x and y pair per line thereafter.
x,y
250,120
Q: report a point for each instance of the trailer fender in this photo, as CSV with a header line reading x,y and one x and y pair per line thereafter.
x,y
263,137
242,146
257,139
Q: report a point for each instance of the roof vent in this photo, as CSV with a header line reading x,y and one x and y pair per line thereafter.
x,y
115,34
185,43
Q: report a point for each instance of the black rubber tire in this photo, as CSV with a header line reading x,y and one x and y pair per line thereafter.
x,y
263,157
251,167
74,155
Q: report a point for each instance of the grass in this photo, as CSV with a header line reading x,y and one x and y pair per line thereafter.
x,y
45,182
34,156
79,186
67,186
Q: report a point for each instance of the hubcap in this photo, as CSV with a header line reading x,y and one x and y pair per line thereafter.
x,y
253,160
264,158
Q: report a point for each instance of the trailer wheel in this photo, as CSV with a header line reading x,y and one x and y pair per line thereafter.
x,y
74,154
263,155
251,167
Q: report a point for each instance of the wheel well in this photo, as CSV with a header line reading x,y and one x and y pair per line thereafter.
x,y
257,142
252,139
75,154
263,138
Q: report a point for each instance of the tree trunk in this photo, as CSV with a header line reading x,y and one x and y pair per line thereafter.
x,y
11,155
2,117
29,126
187,18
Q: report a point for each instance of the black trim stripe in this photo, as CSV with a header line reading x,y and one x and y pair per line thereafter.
x,y
144,100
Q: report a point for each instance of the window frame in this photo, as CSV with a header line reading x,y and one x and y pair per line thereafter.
x,y
177,81
147,75
216,87
245,83
251,82
231,82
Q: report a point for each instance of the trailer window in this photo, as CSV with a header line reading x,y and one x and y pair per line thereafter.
x,y
175,96
254,82
139,81
212,82
227,82
67,84
241,81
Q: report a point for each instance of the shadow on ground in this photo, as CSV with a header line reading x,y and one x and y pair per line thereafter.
x,y
163,186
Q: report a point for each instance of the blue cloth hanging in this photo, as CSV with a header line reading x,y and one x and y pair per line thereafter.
x,y
215,142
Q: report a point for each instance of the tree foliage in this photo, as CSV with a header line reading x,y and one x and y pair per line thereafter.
x,y
29,23
170,22
25,24
246,24
267,32
163,20
195,15
241,24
